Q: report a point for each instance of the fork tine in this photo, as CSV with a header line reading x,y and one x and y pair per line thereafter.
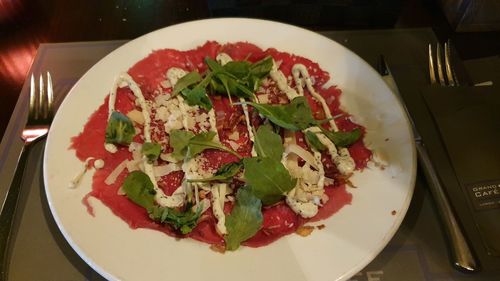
x,y
432,72
447,63
50,95
440,65
32,97
41,99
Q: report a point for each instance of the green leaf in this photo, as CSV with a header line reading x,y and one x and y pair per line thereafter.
x,y
187,80
185,221
342,139
268,178
239,69
245,219
268,143
151,150
120,129
262,68
197,96
213,65
203,141
225,173
139,188
234,78
179,141
313,141
187,144
295,116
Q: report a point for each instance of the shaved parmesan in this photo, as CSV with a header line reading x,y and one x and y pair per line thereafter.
x,y
116,172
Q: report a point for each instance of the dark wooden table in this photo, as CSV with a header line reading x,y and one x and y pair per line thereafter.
x,y
24,24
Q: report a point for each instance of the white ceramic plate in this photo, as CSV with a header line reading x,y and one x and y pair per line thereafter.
x,y
352,237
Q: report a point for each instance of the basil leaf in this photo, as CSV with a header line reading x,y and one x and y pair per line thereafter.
x,y
120,129
245,219
151,150
295,116
268,178
268,143
225,173
202,141
342,139
187,80
179,140
139,188
197,96
183,221
313,141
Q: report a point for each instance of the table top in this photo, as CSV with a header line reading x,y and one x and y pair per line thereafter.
x,y
418,250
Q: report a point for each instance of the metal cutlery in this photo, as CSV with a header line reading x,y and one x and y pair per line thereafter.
x,y
460,251
40,114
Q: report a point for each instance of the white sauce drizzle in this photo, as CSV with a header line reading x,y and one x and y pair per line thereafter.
x,y
98,164
281,82
124,80
343,160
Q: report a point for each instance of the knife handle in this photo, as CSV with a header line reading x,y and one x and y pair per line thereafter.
x,y
461,253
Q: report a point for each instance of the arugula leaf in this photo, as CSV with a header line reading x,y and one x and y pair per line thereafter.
x,y
225,173
342,139
262,67
239,78
139,188
245,219
187,144
202,141
151,150
268,143
313,141
295,116
120,129
240,69
187,80
197,96
179,140
183,221
268,178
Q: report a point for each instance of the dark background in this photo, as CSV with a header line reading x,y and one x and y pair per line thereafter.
x,y
24,24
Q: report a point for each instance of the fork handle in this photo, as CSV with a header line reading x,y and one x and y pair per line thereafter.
x,y
461,253
8,211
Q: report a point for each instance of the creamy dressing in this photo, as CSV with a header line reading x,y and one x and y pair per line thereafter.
x,y
219,191
78,177
281,82
342,158
124,80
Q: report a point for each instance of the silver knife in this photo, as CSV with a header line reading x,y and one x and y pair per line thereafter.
x,y
460,251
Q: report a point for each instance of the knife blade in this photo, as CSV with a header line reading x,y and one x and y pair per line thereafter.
x,y
461,254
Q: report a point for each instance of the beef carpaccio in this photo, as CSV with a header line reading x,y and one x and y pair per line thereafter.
x,y
227,144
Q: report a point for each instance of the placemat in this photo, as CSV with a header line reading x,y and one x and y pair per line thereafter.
x,y
469,122
39,252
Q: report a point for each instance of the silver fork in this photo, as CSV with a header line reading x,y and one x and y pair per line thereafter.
x,y
436,66
41,109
